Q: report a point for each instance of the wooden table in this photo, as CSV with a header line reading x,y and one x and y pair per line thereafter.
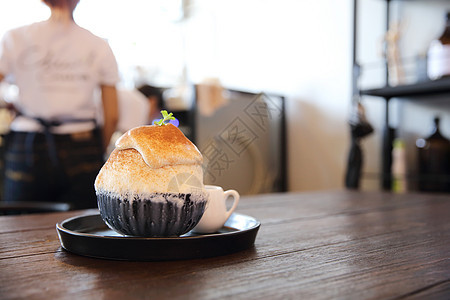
x,y
323,245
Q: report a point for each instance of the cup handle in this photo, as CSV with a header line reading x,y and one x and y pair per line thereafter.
x,y
235,195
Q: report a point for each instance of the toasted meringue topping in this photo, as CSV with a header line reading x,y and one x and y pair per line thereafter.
x,y
160,146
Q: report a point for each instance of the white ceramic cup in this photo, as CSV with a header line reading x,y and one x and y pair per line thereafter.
x,y
216,213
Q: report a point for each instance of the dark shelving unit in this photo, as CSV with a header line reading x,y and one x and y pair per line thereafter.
x,y
388,92
425,88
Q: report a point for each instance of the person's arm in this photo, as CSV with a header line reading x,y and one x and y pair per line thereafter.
x,y
110,112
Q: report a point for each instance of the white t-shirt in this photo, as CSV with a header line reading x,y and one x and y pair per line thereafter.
x,y
57,68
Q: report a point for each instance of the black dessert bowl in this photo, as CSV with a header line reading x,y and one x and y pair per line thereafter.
x,y
155,215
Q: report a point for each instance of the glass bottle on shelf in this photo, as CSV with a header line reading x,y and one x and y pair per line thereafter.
x,y
434,161
439,54
399,180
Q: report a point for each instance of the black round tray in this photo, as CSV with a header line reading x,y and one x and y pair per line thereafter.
x,y
88,235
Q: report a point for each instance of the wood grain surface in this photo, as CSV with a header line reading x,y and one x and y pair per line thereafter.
x,y
321,245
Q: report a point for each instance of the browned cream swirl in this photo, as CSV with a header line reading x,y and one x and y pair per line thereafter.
x,y
160,146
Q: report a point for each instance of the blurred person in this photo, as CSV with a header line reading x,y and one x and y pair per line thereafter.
x,y
55,146
137,107
154,96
